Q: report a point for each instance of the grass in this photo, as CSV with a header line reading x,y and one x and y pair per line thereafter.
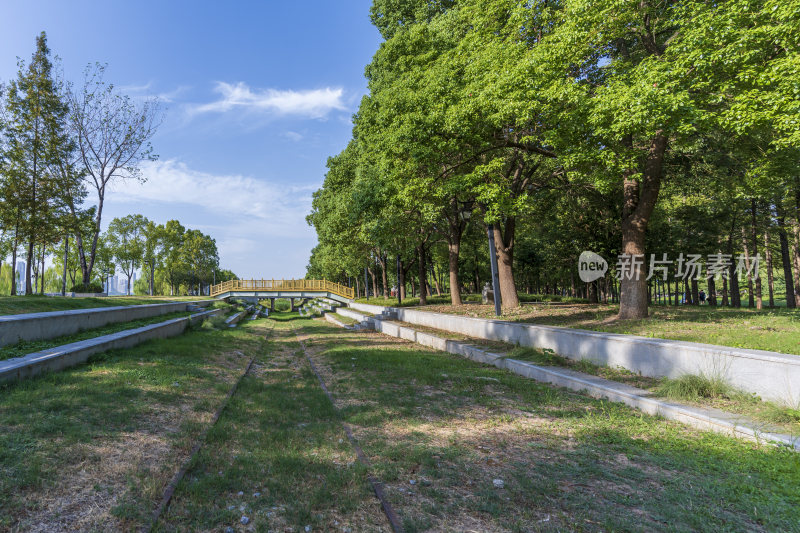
x,y
91,448
769,329
439,429
15,305
696,390
346,320
26,347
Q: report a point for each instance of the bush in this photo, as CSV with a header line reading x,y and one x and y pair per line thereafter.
x,y
93,287
282,305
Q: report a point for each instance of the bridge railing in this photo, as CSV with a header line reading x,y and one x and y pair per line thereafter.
x,y
236,285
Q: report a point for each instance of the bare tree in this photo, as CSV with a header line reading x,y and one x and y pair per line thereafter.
x,y
113,132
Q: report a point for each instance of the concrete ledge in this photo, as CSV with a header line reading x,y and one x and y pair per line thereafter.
x,y
41,326
349,313
61,357
332,319
771,375
701,418
232,320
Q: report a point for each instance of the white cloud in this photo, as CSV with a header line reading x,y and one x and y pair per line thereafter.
x,y
145,91
293,136
259,225
231,196
316,103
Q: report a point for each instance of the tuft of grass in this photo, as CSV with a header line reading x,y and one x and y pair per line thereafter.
x,y
778,414
696,387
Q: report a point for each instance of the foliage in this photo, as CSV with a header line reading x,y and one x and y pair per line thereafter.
x,y
87,288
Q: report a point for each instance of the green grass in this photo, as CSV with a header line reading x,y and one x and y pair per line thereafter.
x,y
346,320
694,388
113,431
26,347
279,438
93,447
568,462
775,330
14,305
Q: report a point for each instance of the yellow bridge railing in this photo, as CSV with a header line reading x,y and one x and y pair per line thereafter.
x,y
288,285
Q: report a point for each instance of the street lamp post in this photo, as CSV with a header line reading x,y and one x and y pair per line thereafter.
x,y
493,262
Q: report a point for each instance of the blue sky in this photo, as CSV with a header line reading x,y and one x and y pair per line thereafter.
x,y
257,95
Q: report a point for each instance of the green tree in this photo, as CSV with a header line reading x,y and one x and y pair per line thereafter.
x,y
152,253
199,254
113,135
171,265
126,236
37,137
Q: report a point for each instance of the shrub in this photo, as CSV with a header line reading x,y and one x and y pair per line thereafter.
x,y
87,287
691,387
282,305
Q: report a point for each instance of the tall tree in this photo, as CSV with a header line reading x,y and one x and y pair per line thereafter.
x,y
113,134
36,138
153,247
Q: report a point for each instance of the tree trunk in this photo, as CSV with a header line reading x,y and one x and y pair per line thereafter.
x,y
436,282
453,249
796,257
402,281
384,277
759,300
41,262
732,274
725,298
423,298
712,291
639,200
374,282
504,245
751,297
66,256
770,275
28,267
14,263
796,246
791,303
591,291
695,293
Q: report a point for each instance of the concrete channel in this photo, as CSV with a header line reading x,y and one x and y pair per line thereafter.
x,y
702,418
49,325
61,357
772,376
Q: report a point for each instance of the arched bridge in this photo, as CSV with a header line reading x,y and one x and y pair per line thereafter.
x,y
262,289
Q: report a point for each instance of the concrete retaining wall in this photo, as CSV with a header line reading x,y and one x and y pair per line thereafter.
x,y
61,357
597,387
40,326
771,375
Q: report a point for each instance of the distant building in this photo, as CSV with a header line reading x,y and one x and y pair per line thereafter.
x,y
20,275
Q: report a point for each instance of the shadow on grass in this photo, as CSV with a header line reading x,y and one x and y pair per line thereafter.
x,y
582,461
